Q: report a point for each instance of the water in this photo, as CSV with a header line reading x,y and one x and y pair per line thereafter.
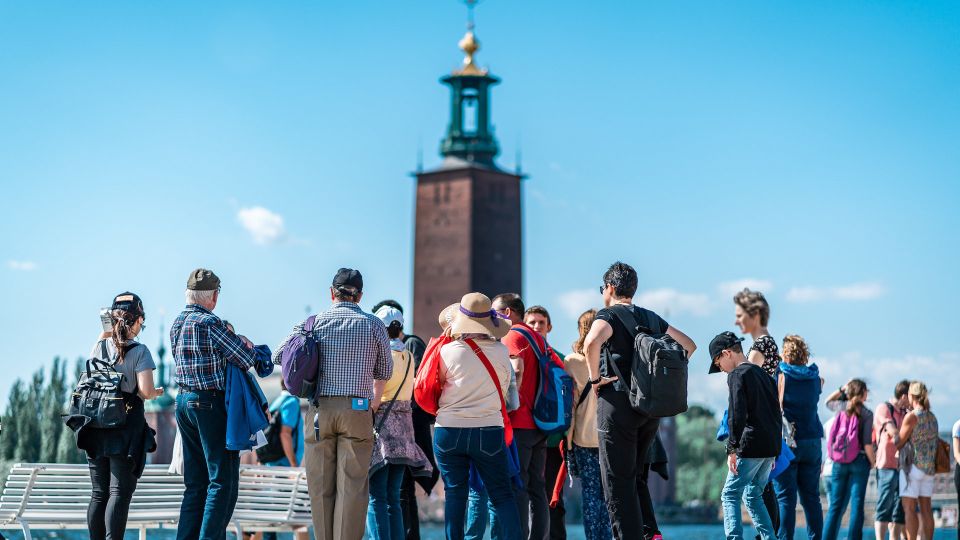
x,y
434,532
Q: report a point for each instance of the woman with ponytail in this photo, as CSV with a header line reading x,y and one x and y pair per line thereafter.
x,y
394,448
116,456
850,446
918,456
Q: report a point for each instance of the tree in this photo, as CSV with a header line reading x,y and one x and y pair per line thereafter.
x,y
67,451
33,430
701,458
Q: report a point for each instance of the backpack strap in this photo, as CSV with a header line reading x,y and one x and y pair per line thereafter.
x,y
406,373
531,340
507,428
893,417
584,393
636,327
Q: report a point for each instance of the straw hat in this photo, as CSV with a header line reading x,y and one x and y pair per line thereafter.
x,y
474,315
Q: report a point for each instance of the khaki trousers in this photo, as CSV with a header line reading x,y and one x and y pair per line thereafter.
x,y
339,445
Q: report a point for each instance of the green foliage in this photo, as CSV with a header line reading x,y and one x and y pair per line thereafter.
x,y
701,460
32,428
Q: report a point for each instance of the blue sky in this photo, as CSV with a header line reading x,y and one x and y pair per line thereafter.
x,y
808,149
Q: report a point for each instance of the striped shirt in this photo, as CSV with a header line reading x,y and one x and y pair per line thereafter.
x,y
201,345
354,351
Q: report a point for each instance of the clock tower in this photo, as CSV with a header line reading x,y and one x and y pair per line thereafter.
x,y
468,210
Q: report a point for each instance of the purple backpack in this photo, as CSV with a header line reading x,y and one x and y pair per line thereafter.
x,y
300,362
843,444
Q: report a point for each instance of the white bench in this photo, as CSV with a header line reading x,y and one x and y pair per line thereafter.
x,y
56,496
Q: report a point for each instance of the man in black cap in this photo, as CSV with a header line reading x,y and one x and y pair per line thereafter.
x,y
201,346
355,364
755,428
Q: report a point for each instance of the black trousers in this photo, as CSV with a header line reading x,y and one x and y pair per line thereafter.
x,y
650,527
113,484
532,498
423,436
625,437
558,530
772,506
408,503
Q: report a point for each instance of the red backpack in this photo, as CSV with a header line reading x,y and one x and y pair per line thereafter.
x,y
427,386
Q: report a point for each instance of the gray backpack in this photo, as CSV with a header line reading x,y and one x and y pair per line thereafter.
x,y
658,369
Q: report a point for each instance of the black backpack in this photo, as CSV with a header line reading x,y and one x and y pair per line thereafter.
x,y
98,395
658,370
273,450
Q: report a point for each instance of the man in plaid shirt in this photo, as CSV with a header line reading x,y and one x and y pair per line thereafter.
x,y
201,346
355,364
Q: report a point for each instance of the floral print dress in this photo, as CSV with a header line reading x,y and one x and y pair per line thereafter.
x,y
767,346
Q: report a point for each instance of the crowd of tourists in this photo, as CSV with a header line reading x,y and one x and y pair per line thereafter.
x,y
490,408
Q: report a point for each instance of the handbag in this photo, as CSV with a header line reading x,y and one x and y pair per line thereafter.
x,y
942,463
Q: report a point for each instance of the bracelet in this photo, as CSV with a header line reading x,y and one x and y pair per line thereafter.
x,y
595,381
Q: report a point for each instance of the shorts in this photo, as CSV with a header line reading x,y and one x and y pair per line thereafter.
x,y
916,484
889,509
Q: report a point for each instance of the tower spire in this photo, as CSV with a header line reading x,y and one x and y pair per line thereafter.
x,y
469,134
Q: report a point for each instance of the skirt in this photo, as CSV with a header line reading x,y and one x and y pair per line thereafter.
x,y
394,444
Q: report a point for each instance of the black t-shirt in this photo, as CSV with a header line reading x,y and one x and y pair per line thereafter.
x,y
619,348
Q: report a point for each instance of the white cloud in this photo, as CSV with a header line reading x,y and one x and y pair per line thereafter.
x,y
882,374
805,294
670,302
264,226
854,291
666,302
573,303
860,291
22,266
729,288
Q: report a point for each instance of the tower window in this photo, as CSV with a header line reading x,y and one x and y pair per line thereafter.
x,y
469,104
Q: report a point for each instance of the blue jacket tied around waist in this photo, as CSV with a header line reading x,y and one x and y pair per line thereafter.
x,y
245,402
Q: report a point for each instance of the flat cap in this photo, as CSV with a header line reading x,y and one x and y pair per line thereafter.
x,y
202,279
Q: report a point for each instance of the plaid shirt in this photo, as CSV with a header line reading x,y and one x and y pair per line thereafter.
x,y
354,350
201,344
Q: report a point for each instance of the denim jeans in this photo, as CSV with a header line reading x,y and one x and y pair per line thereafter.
x,y
889,509
801,478
384,514
113,485
456,449
211,473
848,484
747,484
478,507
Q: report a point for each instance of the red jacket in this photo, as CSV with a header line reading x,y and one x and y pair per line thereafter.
x,y
519,347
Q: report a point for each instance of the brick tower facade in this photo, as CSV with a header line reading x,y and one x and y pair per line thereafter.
x,y
468,217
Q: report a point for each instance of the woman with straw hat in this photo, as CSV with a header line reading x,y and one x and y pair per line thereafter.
x,y
474,373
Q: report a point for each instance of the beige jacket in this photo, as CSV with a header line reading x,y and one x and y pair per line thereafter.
x,y
469,397
583,425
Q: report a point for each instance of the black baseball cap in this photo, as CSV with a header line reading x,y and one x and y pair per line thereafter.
x,y
348,277
723,341
127,301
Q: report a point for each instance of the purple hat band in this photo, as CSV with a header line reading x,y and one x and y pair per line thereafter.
x,y
494,316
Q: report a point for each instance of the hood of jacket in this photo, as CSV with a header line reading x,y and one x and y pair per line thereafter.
x,y
801,373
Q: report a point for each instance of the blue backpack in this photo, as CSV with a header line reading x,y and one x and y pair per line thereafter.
x,y
553,406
